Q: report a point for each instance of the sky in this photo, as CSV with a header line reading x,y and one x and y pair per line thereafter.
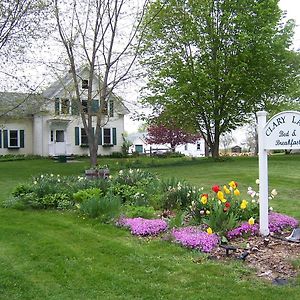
x,y
292,8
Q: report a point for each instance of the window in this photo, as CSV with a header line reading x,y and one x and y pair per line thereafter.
x,y
65,106
59,136
106,136
85,84
84,105
185,147
198,146
83,137
13,138
51,136
62,106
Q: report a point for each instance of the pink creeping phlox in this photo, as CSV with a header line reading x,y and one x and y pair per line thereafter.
x,y
192,237
140,226
277,223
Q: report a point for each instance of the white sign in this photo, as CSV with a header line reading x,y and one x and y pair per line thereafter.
x,y
283,131
280,132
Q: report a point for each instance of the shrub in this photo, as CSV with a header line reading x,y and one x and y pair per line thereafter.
x,y
40,193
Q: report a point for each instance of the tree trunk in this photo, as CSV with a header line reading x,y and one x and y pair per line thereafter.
x,y
93,154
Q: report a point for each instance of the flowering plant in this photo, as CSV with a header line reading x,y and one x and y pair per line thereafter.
x,y
193,237
143,227
222,209
277,223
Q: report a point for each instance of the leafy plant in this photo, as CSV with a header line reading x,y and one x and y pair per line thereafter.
x,y
104,208
86,194
146,212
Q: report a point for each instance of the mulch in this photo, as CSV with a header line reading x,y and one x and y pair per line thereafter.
x,y
272,258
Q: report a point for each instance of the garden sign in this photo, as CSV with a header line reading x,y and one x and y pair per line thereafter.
x,y
281,132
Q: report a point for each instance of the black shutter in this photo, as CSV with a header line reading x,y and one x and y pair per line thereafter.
x,y
76,136
22,138
5,139
114,136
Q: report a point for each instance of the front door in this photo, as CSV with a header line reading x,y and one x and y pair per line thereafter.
x,y
59,142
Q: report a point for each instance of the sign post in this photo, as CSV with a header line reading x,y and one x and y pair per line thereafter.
x,y
263,175
280,132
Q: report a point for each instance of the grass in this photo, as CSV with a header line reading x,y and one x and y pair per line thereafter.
x,y
58,255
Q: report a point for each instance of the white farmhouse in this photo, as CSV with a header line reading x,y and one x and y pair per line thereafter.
x,y
49,124
139,145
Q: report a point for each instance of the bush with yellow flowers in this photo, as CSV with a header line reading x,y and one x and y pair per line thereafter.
x,y
223,208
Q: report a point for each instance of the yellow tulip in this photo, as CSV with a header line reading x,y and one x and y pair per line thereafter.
x,y
220,195
226,189
204,200
251,221
244,204
236,192
232,184
209,230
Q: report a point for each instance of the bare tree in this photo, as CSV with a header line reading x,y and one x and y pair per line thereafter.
x,y
226,140
101,34
20,21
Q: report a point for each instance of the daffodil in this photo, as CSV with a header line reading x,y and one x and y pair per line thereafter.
x,y
274,193
251,221
209,230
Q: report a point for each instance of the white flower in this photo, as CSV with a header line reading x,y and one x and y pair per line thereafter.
x,y
120,172
35,182
253,201
274,193
257,181
51,175
58,180
271,208
42,176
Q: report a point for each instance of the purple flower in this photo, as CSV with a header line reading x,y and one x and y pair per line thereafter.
x,y
244,229
140,226
277,223
192,237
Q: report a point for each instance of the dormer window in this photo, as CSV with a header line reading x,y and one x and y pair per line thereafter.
x,y
85,84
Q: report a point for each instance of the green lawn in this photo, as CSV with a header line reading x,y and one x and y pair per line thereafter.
x,y
59,255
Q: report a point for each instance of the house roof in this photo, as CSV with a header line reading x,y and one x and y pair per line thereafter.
x,y
20,104
64,87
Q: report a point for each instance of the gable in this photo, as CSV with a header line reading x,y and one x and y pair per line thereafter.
x,y
64,88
